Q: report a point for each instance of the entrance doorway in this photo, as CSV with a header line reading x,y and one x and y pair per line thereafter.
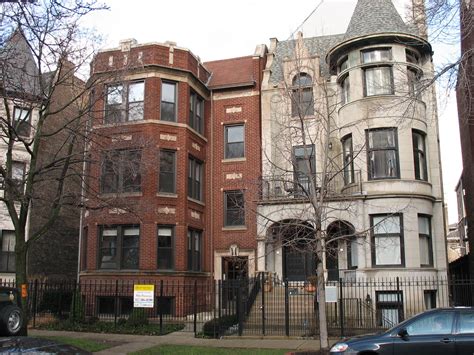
x,y
298,247
336,233
234,274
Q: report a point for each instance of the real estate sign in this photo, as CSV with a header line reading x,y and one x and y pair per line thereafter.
x,y
143,296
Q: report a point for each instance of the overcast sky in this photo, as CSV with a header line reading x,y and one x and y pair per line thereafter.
x,y
224,29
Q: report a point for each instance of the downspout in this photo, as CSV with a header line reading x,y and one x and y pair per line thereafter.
x,y
211,184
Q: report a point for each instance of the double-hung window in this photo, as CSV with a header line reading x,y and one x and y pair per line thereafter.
x,y
195,176
196,112
121,171
419,156
304,168
234,141
387,240
168,101
378,78
382,149
348,160
125,102
345,90
426,246
119,247
167,179
22,121
234,208
7,251
194,250
165,247
302,103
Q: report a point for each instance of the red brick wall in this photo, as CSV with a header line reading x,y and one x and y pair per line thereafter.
x,y
142,208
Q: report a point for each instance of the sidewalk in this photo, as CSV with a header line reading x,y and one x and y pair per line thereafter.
x,y
130,343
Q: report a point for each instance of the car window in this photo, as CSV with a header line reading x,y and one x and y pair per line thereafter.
x,y
433,323
466,322
7,296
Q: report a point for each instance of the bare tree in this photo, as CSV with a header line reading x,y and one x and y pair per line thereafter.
x,y
43,115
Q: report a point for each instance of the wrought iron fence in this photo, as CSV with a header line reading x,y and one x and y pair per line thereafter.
x,y
257,306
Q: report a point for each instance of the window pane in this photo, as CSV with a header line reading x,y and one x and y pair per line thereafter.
x,y
168,92
386,224
387,250
130,167
437,323
384,138
466,322
424,225
108,246
114,94
354,254
302,79
376,55
234,208
424,250
378,81
167,172
135,111
136,92
130,252
383,164
8,240
234,136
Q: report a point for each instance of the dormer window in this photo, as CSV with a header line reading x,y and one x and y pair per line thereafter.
x,y
302,96
376,55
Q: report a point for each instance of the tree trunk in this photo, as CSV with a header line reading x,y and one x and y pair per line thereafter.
x,y
321,293
22,279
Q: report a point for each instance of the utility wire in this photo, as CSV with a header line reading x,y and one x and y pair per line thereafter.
x,y
306,19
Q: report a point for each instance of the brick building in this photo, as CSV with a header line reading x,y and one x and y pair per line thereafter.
x,y
465,87
177,140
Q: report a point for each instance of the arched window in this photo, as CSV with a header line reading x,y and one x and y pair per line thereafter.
x,y
302,103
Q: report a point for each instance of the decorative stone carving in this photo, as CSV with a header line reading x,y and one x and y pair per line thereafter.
x,y
233,176
168,137
167,210
233,109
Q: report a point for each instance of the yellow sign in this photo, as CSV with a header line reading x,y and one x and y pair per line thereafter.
x,y
143,296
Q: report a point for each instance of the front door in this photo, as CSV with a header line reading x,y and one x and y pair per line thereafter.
x,y
298,264
234,271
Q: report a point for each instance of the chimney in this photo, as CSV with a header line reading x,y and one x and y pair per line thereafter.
x,y
419,17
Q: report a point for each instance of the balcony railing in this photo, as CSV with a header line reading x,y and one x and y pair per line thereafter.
x,y
7,261
286,186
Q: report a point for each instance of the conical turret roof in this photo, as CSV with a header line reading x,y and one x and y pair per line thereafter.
x,y
375,16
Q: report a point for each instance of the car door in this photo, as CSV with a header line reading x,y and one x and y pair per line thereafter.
x,y
430,333
464,334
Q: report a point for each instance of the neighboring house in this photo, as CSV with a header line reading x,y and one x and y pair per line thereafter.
x,y
20,86
458,245
150,166
173,193
384,202
55,255
465,102
236,163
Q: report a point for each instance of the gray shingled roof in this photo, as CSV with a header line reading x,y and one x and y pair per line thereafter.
x,y
375,16
315,46
17,65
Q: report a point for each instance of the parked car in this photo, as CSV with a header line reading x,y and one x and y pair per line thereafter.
x,y
446,331
11,315
28,345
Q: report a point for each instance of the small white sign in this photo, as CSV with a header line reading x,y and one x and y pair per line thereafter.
x,y
143,296
331,294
